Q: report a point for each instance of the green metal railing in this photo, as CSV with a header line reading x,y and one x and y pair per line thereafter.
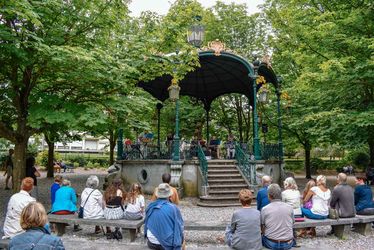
x,y
203,164
269,151
246,165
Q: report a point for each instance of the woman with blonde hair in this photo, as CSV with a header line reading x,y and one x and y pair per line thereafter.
x,y
320,196
291,195
37,236
136,203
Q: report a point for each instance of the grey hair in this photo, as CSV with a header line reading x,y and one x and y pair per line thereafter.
x,y
92,182
266,179
342,177
290,183
65,182
275,192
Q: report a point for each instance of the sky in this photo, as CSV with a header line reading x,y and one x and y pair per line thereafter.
x,y
162,6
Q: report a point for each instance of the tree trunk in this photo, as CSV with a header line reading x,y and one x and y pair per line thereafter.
x,y
307,148
112,145
19,164
371,145
51,151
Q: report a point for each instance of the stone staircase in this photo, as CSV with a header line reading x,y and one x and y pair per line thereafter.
x,y
225,182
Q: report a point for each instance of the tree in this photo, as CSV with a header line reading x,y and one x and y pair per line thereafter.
x,y
73,53
327,46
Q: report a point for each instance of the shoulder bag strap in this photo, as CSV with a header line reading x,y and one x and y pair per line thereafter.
x,y
33,245
88,197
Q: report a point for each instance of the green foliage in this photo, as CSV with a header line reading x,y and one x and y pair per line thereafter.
x,y
42,158
360,159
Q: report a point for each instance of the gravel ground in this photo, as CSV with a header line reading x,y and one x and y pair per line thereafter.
x,y
86,239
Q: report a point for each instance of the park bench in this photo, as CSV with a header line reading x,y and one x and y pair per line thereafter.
x,y
4,243
362,225
61,221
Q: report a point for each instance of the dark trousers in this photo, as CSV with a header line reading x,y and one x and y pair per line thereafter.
x,y
154,246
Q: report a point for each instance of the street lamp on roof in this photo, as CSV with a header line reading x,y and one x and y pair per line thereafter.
x,y
195,35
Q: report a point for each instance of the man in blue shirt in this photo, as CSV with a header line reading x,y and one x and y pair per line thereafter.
x,y
262,195
163,226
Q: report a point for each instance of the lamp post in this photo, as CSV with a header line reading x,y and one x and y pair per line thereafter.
x,y
195,35
280,142
174,90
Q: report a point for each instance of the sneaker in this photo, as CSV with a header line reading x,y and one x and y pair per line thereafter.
x,y
77,228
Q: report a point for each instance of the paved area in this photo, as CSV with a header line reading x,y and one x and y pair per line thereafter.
x,y
86,239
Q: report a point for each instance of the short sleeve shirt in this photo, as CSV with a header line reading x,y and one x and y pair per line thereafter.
x,y
277,218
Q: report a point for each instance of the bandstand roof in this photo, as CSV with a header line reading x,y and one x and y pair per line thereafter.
x,y
218,74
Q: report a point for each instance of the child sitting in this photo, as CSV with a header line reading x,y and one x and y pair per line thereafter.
x,y
136,203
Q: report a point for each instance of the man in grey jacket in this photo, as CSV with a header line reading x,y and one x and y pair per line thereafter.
x,y
342,198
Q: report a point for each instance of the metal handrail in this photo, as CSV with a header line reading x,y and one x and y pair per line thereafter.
x,y
246,165
203,164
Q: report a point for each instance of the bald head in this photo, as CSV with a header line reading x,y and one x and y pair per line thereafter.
x,y
266,180
342,178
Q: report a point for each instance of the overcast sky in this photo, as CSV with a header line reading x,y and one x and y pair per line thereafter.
x,y
162,6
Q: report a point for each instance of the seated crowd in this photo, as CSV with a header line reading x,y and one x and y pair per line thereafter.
x,y
269,226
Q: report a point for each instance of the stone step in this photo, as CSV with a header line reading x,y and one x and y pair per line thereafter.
x,y
225,181
221,162
228,186
223,171
225,192
213,166
227,176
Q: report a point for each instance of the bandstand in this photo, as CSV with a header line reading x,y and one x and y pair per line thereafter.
x,y
216,182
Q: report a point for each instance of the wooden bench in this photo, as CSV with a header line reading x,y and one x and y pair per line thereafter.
x,y
361,223
61,221
4,243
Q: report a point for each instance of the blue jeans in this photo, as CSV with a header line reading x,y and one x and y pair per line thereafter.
x,y
228,235
277,245
308,213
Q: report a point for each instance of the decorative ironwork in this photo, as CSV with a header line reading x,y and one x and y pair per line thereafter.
x,y
246,164
217,46
270,151
203,164
267,151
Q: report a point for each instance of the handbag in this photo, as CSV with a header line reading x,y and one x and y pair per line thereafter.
x,y
333,214
81,209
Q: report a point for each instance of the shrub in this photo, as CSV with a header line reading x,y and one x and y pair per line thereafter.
x,y
42,158
361,160
315,164
76,164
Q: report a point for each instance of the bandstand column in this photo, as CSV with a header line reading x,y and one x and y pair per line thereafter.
x,y
120,144
256,139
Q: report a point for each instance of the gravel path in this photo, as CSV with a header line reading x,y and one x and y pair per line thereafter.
x,y
86,239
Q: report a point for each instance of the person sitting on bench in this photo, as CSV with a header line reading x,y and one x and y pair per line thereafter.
x,y
363,197
65,201
277,221
214,147
37,236
16,204
163,226
244,232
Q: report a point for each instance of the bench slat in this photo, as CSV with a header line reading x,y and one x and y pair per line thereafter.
x,y
73,219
